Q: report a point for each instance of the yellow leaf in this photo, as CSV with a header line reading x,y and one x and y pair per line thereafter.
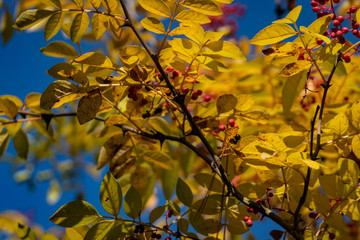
x,y
332,185
7,28
77,233
52,3
66,71
192,17
79,26
184,49
294,68
317,35
226,103
114,119
224,49
94,59
99,24
153,25
245,101
283,50
8,107
355,115
32,100
157,7
292,16
31,17
339,124
110,5
89,106
53,193
60,49
356,145
53,25
192,30
95,3
291,91
273,34
207,7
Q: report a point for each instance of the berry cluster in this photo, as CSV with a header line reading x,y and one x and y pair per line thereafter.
x,y
139,229
338,31
231,123
235,139
155,235
132,92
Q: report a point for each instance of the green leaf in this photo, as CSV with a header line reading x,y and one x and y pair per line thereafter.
x,y
339,124
226,103
168,180
183,225
8,107
113,149
207,7
100,230
7,29
153,25
79,26
99,25
60,49
53,25
292,16
21,144
75,214
25,233
211,226
291,91
273,34
224,49
110,195
4,142
184,193
208,207
31,17
355,115
89,106
132,203
110,5
237,226
52,3
59,93
156,213
192,16
157,7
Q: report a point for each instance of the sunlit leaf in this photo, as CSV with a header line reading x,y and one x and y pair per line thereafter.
x,y
99,230
132,203
25,233
157,7
54,192
8,107
99,25
29,18
292,16
110,195
53,25
153,25
192,17
273,34
224,49
110,5
207,7
75,214
291,91
79,26
60,49
4,142
89,106
339,124
294,68
226,102
355,115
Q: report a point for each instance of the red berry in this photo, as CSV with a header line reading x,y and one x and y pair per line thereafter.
x,y
333,35
341,40
308,59
319,41
236,126
246,218
316,9
168,238
314,3
194,96
250,210
169,213
352,9
331,236
345,30
207,98
336,1
346,58
355,32
301,57
249,223
222,127
144,101
259,201
231,122
355,25
199,92
340,18
336,23
339,33
185,90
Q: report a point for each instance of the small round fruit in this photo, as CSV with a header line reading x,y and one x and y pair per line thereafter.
x,y
222,127
231,122
249,223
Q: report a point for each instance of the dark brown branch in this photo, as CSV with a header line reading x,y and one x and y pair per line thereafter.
x,y
313,155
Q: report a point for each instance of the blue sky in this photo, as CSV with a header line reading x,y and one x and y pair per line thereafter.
x,y
23,70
